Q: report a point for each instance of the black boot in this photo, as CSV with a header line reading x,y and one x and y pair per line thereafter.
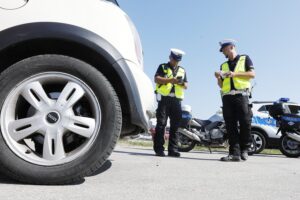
x,y
231,158
160,154
174,154
244,155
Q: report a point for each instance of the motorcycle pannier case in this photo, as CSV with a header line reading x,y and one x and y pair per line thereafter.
x,y
277,110
290,122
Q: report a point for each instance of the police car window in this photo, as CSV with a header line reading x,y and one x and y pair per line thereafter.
x,y
262,109
294,109
267,107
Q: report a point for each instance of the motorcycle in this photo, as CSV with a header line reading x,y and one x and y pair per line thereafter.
x,y
289,126
211,132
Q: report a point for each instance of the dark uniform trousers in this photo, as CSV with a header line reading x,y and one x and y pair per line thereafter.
x,y
236,109
167,107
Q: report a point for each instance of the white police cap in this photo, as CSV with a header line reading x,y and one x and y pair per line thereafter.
x,y
227,42
177,54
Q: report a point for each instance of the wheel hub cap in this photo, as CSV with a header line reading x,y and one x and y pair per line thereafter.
x,y
53,117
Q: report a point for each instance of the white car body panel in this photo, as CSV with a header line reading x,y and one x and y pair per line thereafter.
x,y
104,19
113,29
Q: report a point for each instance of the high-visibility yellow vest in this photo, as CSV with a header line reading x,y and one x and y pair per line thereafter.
x,y
239,83
165,89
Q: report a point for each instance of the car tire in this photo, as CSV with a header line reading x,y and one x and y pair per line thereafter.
x,y
260,141
60,120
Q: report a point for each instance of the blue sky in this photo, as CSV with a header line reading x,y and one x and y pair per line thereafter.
x,y
267,30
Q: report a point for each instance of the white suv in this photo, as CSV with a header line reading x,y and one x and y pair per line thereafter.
x,y
71,82
264,129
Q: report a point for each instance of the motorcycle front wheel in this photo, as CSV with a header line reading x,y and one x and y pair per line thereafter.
x,y
184,143
289,147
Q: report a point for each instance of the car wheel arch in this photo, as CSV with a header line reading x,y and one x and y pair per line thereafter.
x,y
28,40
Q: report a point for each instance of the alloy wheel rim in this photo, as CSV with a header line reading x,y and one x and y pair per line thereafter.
x,y
258,141
54,119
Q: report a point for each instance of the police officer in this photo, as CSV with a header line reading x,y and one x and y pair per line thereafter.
x,y
234,81
171,81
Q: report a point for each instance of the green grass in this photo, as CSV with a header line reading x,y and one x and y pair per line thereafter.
x,y
142,143
271,151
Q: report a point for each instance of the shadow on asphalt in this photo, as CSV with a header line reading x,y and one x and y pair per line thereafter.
x,y
193,151
134,153
202,159
7,180
152,155
214,152
270,155
198,152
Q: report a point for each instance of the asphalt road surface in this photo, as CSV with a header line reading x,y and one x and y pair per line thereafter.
x,y
134,173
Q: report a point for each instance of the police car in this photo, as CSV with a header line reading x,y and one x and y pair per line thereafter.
x,y
264,129
71,82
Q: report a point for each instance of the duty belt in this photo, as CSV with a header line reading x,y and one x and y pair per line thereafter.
x,y
235,92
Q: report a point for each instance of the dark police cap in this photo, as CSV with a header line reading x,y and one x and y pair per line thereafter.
x,y
225,43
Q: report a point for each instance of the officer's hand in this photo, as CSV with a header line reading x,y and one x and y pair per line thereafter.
x,y
230,74
173,81
217,74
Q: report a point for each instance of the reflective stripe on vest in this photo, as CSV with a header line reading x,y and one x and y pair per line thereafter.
x,y
165,89
239,83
